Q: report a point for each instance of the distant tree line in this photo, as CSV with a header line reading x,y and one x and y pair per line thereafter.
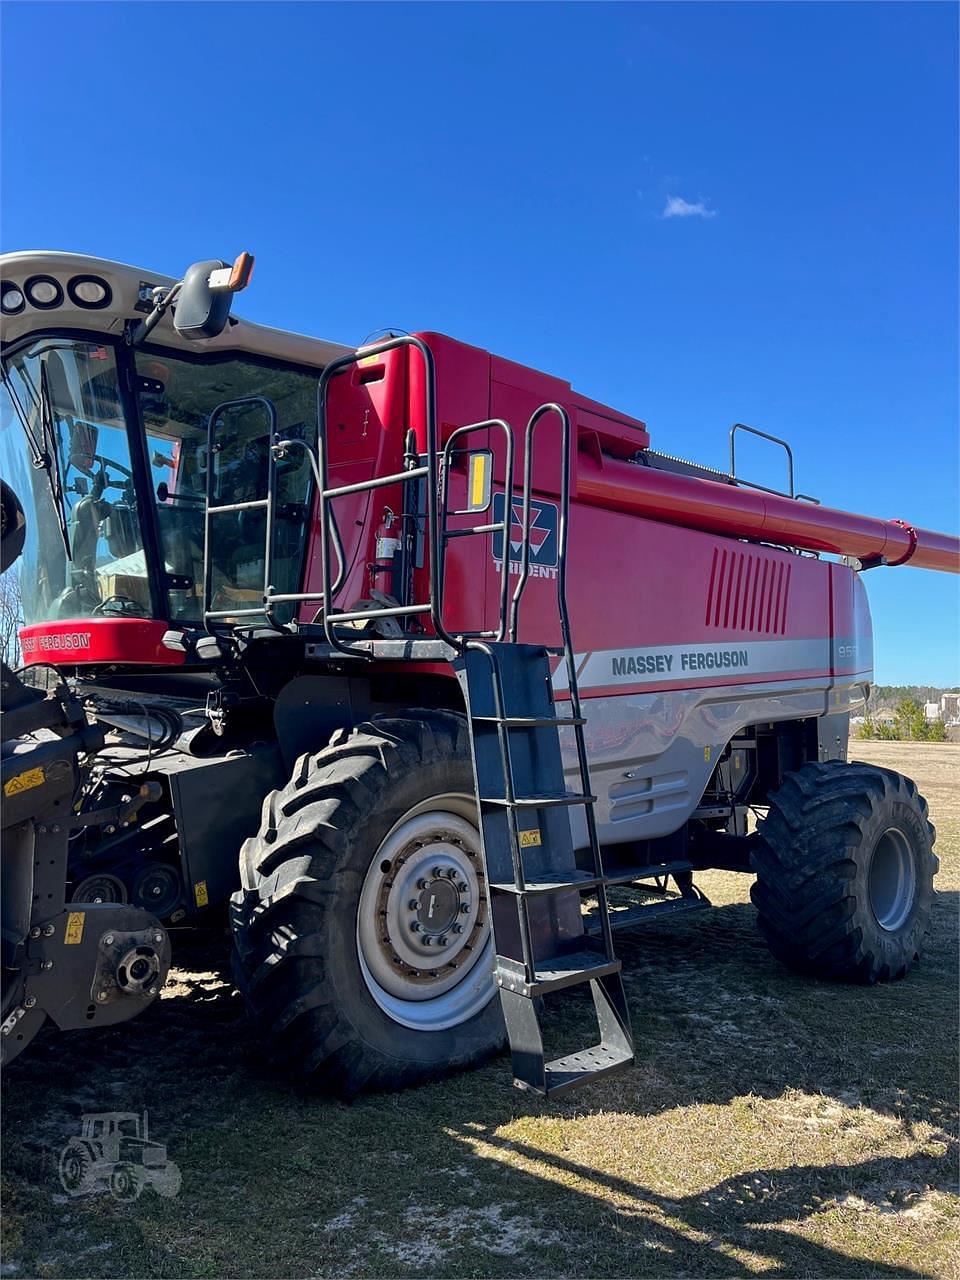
x,y
891,695
909,725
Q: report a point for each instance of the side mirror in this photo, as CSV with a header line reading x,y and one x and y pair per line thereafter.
x,y
205,294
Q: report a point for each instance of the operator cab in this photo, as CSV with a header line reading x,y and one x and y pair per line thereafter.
x,y
104,414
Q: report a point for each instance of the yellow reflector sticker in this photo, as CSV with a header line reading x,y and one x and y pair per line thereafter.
x,y
478,487
24,782
200,893
73,934
706,753
530,838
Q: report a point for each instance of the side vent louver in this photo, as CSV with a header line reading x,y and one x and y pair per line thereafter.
x,y
748,591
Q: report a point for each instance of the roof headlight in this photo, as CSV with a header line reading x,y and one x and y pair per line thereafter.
x,y
90,292
43,292
12,300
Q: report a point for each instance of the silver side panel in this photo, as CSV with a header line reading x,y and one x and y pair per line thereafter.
x,y
651,755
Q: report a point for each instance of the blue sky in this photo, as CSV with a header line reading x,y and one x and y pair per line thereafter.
x,y
696,213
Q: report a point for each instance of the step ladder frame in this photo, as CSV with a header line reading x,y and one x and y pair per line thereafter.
x,y
521,985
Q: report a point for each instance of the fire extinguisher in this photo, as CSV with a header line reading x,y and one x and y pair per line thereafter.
x,y
386,546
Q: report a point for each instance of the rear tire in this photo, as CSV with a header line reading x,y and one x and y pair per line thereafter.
x,y
327,926
845,869
77,1176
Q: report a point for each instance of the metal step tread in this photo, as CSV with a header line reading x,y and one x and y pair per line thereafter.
x,y
555,973
549,884
529,722
626,875
580,1068
549,800
642,913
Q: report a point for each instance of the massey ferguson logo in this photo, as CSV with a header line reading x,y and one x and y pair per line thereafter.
x,y
543,536
58,642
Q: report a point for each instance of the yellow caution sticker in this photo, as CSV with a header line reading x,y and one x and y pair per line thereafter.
x,y
25,781
530,838
706,753
201,897
73,934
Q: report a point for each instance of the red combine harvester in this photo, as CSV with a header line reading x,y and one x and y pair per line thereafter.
x,y
464,673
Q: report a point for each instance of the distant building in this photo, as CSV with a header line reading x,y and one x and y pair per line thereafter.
x,y
950,708
931,711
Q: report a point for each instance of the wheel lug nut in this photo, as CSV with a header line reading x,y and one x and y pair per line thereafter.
x,y
437,873
465,909
415,927
443,940
412,904
427,939
421,884
462,887
458,928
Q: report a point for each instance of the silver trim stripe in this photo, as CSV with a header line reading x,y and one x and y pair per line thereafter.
x,y
679,664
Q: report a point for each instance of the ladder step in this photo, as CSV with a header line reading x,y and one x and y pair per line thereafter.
x,y
642,913
556,973
580,1068
626,875
529,722
538,802
550,884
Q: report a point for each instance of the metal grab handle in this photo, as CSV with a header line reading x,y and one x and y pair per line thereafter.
x,y
211,510
764,435
278,449
491,527
536,417
325,495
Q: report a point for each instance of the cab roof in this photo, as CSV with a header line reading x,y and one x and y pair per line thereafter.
x,y
129,291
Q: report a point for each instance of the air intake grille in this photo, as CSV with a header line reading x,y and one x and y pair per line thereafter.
x,y
748,591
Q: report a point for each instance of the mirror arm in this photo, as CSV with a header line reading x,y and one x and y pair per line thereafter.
x,y
139,335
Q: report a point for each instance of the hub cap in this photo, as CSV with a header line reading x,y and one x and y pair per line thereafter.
x,y
423,934
892,880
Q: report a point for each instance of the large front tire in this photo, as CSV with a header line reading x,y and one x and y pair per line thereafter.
x,y
362,940
845,869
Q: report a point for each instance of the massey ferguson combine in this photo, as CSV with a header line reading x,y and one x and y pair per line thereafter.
x,y
427,664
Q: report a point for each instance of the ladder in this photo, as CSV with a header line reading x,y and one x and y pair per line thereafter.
x,y
545,941
537,891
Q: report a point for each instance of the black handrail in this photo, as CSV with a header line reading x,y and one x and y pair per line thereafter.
x,y
278,449
764,435
583,767
496,526
327,494
258,503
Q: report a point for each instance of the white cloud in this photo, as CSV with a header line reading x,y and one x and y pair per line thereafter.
x,y
677,207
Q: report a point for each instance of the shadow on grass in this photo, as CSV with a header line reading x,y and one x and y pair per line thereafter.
x,y
715,1019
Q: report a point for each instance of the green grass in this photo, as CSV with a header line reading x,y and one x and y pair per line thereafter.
x,y
773,1125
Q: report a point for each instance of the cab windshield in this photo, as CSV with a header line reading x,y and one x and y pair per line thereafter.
x,y
68,393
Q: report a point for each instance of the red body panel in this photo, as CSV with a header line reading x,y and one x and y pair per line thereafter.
x,y
131,641
658,572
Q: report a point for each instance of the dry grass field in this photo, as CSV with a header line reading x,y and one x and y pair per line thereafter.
x,y
773,1126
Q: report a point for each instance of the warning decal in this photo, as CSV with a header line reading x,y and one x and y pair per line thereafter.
x,y
24,782
73,934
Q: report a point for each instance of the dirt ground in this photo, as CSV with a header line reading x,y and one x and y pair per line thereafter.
x,y
773,1126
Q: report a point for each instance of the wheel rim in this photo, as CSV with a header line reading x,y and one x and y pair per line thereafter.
x,y
423,932
71,1172
892,880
